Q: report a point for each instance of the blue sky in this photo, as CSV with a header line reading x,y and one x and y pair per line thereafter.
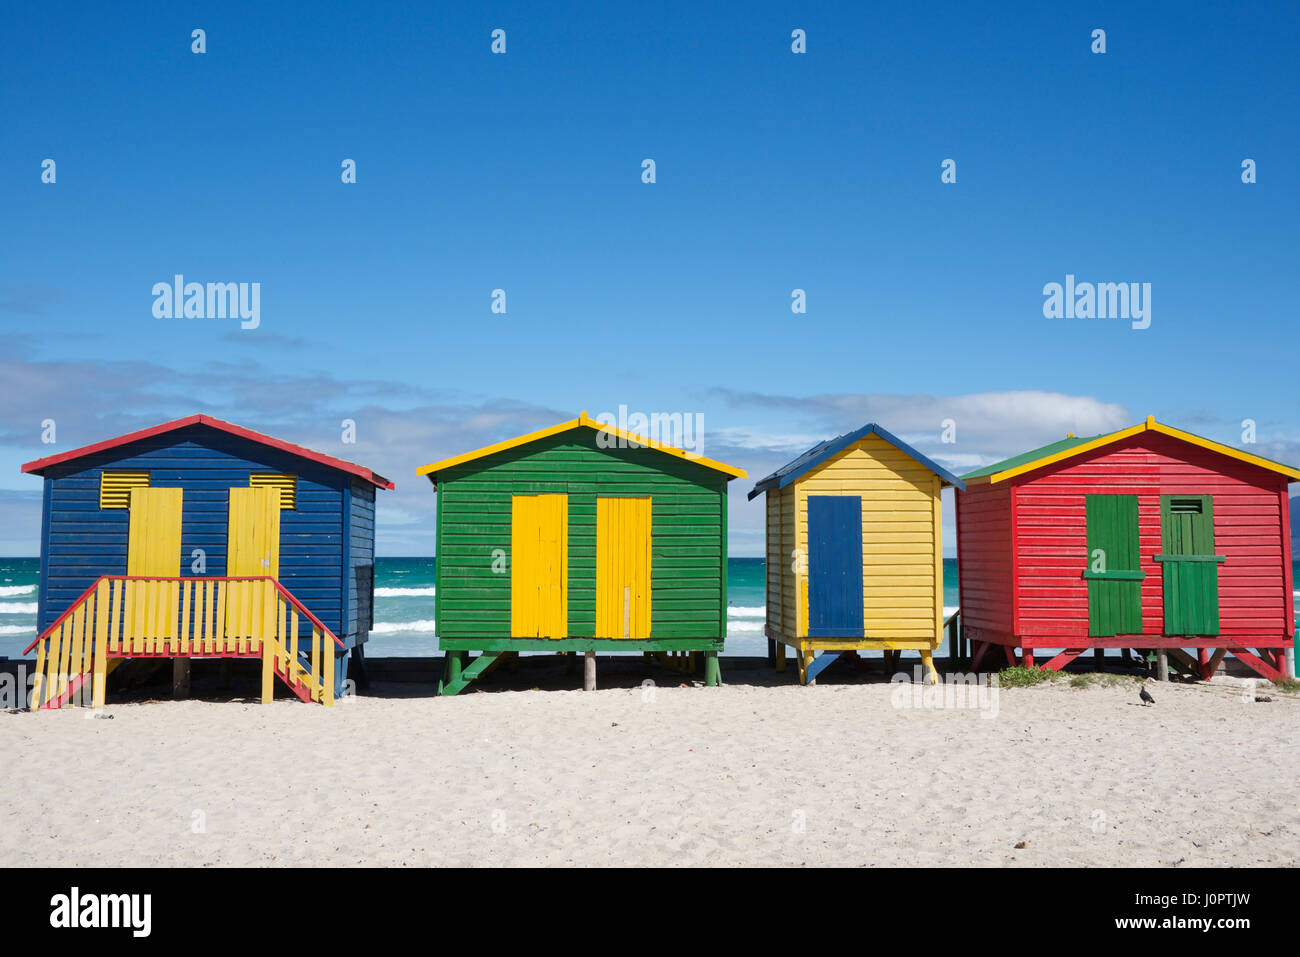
x,y
522,172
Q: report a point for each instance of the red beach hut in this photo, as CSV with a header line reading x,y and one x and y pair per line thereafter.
x,y
1145,538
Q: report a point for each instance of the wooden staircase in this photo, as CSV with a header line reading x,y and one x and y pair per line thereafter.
x,y
121,617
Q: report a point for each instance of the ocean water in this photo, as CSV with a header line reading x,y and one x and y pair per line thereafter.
x,y
404,605
405,589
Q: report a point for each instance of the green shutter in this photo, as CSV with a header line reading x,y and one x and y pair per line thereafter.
x,y
1113,568
1191,569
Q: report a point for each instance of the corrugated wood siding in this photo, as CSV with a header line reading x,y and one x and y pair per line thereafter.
x,y
899,539
1053,598
789,582
361,564
84,541
984,572
688,544
772,557
780,543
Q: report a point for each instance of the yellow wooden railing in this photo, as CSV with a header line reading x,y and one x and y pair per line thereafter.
x,y
133,617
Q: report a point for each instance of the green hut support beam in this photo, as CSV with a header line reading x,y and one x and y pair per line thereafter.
x,y
459,670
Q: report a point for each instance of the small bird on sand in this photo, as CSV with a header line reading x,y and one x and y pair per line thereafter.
x,y
1146,698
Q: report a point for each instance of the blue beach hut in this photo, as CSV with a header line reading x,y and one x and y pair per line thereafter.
x,y
200,538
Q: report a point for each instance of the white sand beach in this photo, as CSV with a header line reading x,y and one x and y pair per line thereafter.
x,y
741,775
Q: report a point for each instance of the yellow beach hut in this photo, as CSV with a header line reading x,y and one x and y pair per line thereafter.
x,y
854,551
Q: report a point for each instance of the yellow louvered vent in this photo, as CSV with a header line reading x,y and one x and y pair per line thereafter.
x,y
115,488
286,483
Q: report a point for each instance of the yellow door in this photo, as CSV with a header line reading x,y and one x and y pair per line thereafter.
x,y
253,550
622,568
153,550
539,566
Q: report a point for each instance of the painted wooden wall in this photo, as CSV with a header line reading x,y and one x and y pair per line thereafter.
x,y
902,579
360,572
1051,535
985,576
782,586
81,541
688,551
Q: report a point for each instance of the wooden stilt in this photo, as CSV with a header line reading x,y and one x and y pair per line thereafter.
x,y
452,664
927,660
180,677
589,672
771,651
712,670
1099,658
1264,668
268,672
981,647
1162,665
780,656
1063,659
1026,658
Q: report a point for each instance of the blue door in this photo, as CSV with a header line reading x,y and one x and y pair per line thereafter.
x,y
835,566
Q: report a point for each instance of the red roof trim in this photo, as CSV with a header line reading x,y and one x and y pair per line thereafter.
x,y
39,465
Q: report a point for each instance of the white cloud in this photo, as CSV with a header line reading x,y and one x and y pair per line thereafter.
x,y
399,428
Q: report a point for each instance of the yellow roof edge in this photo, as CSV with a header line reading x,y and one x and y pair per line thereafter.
x,y
499,447
1150,425
1227,450
583,420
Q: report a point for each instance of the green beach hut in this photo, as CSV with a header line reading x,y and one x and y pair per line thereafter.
x,y
581,537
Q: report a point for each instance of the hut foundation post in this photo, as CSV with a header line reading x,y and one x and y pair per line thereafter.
x,y
780,656
268,673
180,677
589,672
771,651
455,659
1099,658
712,672
1162,665
931,674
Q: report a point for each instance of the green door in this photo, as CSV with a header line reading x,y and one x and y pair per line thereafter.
x,y
1191,569
1114,570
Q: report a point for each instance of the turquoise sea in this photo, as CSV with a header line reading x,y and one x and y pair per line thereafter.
x,y
404,596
